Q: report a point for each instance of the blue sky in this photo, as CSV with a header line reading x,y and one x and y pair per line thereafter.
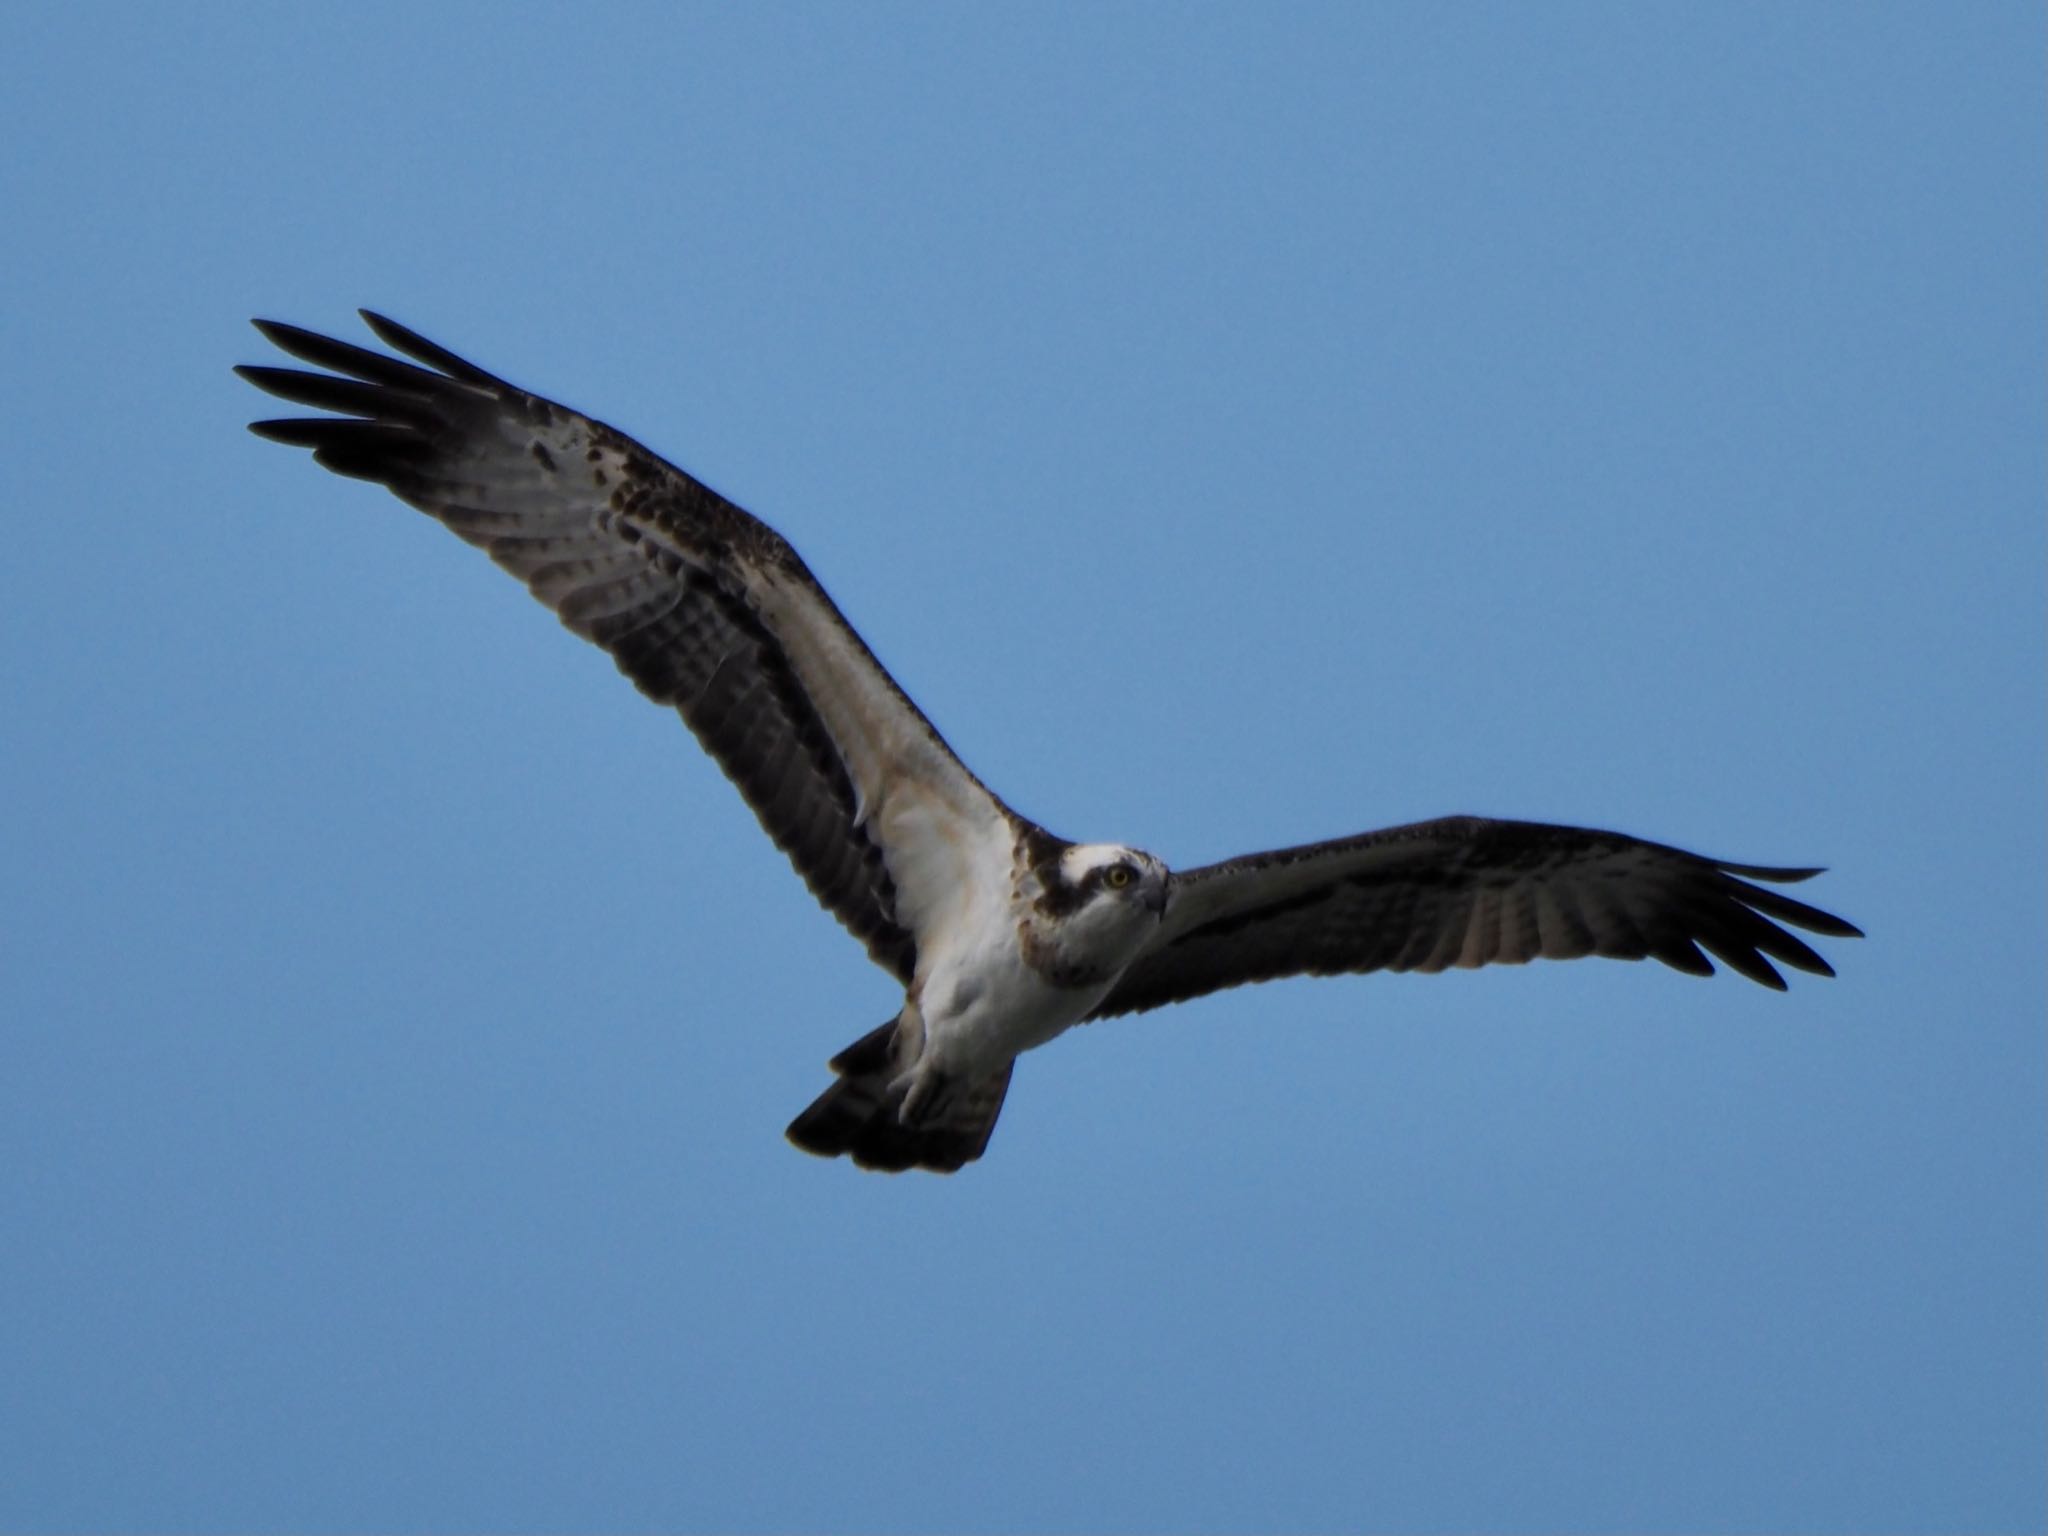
x,y
1234,429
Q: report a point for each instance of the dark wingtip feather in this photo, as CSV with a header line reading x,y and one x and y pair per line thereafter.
x,y
345,357
1681,954
292,431
1782,907
416,346
1745,961
380,452
326,392
308,346
1777,874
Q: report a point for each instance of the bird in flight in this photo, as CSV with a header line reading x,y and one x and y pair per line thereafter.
x,y
1002,934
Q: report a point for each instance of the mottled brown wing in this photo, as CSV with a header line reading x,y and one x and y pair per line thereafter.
x,y
1466,891
636,556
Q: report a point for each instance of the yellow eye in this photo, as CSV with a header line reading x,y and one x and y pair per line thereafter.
x,y
1117,876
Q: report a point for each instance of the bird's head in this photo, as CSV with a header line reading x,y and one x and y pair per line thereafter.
x,y
1096,906
1092,908
1110,890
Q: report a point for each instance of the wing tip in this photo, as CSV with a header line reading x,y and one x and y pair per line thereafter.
x,y
1777,874
388,330
404,339
292,431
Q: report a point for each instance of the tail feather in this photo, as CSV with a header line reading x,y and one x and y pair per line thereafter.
x,y
859,1115
873,1053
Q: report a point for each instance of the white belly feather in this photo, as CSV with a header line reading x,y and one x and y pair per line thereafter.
x,y
981,1001
951,852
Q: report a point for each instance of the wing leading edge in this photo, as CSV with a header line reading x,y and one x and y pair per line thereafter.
x,y
704,607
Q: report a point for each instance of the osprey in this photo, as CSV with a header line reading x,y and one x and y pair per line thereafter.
x,y
1002,934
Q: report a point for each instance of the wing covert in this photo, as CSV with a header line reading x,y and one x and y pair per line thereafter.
x,y
697,602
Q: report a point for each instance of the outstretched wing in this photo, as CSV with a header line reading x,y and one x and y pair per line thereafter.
x,y
704,607
1466,891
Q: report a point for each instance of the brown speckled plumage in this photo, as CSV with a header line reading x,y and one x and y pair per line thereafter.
x,y
710,611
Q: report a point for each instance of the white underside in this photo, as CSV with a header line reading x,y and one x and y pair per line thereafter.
x,y
982,1004
950,852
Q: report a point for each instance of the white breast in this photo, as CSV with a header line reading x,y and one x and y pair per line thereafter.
x,y
982,1001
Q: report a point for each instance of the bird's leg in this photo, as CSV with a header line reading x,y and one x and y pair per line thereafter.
x,y
927,1093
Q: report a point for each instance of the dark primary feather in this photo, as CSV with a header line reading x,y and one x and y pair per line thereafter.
x,y
1467,891
629,551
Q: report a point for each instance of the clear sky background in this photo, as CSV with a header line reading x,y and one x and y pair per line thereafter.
x,y
1235,428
